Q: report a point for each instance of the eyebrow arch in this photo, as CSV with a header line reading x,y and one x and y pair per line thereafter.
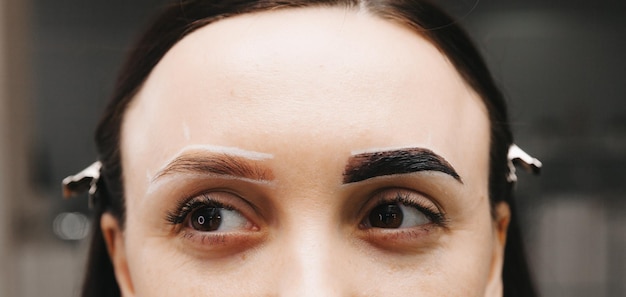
x,y
368,165
220,164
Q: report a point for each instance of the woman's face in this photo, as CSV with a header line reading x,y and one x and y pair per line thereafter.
x,y
306,152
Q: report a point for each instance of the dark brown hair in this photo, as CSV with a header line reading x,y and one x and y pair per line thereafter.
x,y
183,17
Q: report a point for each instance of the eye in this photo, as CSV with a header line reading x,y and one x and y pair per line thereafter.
x,y
221,222
396,215
210,218
401,220
400,209
213,212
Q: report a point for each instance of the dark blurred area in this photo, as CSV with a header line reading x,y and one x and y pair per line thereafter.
x,y
560,63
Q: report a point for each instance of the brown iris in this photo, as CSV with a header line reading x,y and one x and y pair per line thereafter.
x,y
206,218
386,216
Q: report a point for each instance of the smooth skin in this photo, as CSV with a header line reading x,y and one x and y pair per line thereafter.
x,y
297,93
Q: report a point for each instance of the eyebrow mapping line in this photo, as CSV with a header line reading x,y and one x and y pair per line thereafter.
x,y
234,151
366,165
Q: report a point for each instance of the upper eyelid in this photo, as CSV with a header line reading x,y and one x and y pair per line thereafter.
x,y
183,188
389,194
438,190
425,182
185,177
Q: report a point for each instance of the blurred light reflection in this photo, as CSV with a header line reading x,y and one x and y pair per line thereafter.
x,y
71,226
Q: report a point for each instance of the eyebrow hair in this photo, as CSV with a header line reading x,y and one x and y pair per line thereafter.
x,y
221,164
368,165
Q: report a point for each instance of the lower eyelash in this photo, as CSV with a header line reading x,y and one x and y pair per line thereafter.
x,y
208,239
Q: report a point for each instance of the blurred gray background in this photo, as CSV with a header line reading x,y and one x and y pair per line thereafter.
x,y
560,63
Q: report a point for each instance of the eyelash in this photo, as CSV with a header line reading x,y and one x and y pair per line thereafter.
x,y
436,217
185,207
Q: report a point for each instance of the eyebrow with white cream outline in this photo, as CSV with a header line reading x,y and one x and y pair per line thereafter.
x,y
225,162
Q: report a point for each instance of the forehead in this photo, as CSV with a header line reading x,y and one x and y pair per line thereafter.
x,y
323,76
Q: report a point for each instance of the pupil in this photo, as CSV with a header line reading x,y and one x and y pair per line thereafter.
x,y
386,216
206,219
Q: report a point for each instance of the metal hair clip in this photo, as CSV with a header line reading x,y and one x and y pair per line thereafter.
x,y
517,156
83,181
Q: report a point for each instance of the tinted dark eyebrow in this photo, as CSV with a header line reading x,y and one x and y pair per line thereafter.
x,y
220,164
402,161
